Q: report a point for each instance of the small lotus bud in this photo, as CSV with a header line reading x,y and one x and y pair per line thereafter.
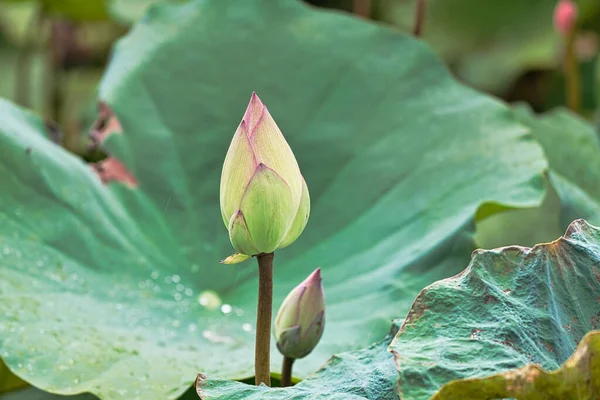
x,y
301,318
264,199
565,16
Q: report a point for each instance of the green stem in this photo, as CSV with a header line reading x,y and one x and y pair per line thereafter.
x,y
262,354
286,371
419,17
55,98
22,86
573,81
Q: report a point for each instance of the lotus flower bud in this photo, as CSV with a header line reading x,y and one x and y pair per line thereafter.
x,y
301,318
565,16
264,199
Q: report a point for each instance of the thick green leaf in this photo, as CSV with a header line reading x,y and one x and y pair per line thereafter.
x,y
577,379
398,158
364,374
512,306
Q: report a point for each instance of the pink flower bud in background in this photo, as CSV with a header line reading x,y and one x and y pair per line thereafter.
x,y
565,16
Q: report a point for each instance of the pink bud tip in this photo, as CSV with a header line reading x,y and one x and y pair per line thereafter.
x,y
254,113
565,16
314,278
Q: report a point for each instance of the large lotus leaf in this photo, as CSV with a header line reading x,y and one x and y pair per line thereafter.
x,y
511,307
489,43
116,289
358,375
572,147
577,379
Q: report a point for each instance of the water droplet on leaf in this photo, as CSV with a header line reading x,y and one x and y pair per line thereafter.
x,y
209,299
226,309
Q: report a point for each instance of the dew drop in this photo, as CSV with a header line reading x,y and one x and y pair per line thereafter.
x,y
239,312
179,287
195,268
247,327
177,296
175,278
192,327
226,309
209,299
189,292
154,275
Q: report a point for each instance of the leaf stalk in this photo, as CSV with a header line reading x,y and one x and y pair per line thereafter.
x,y
421,9
573,80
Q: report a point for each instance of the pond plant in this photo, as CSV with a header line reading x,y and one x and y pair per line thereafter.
x,y
415,236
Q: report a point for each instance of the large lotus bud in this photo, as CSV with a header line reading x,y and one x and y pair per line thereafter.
x,y
565,16
301,318
264,198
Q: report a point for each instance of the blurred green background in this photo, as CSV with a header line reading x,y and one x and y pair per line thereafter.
x,y
53,52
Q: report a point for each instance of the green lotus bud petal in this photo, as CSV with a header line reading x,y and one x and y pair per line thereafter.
x,y
301,318
238,169
261,178
268,208
235,258
271,149
239,236
300,220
